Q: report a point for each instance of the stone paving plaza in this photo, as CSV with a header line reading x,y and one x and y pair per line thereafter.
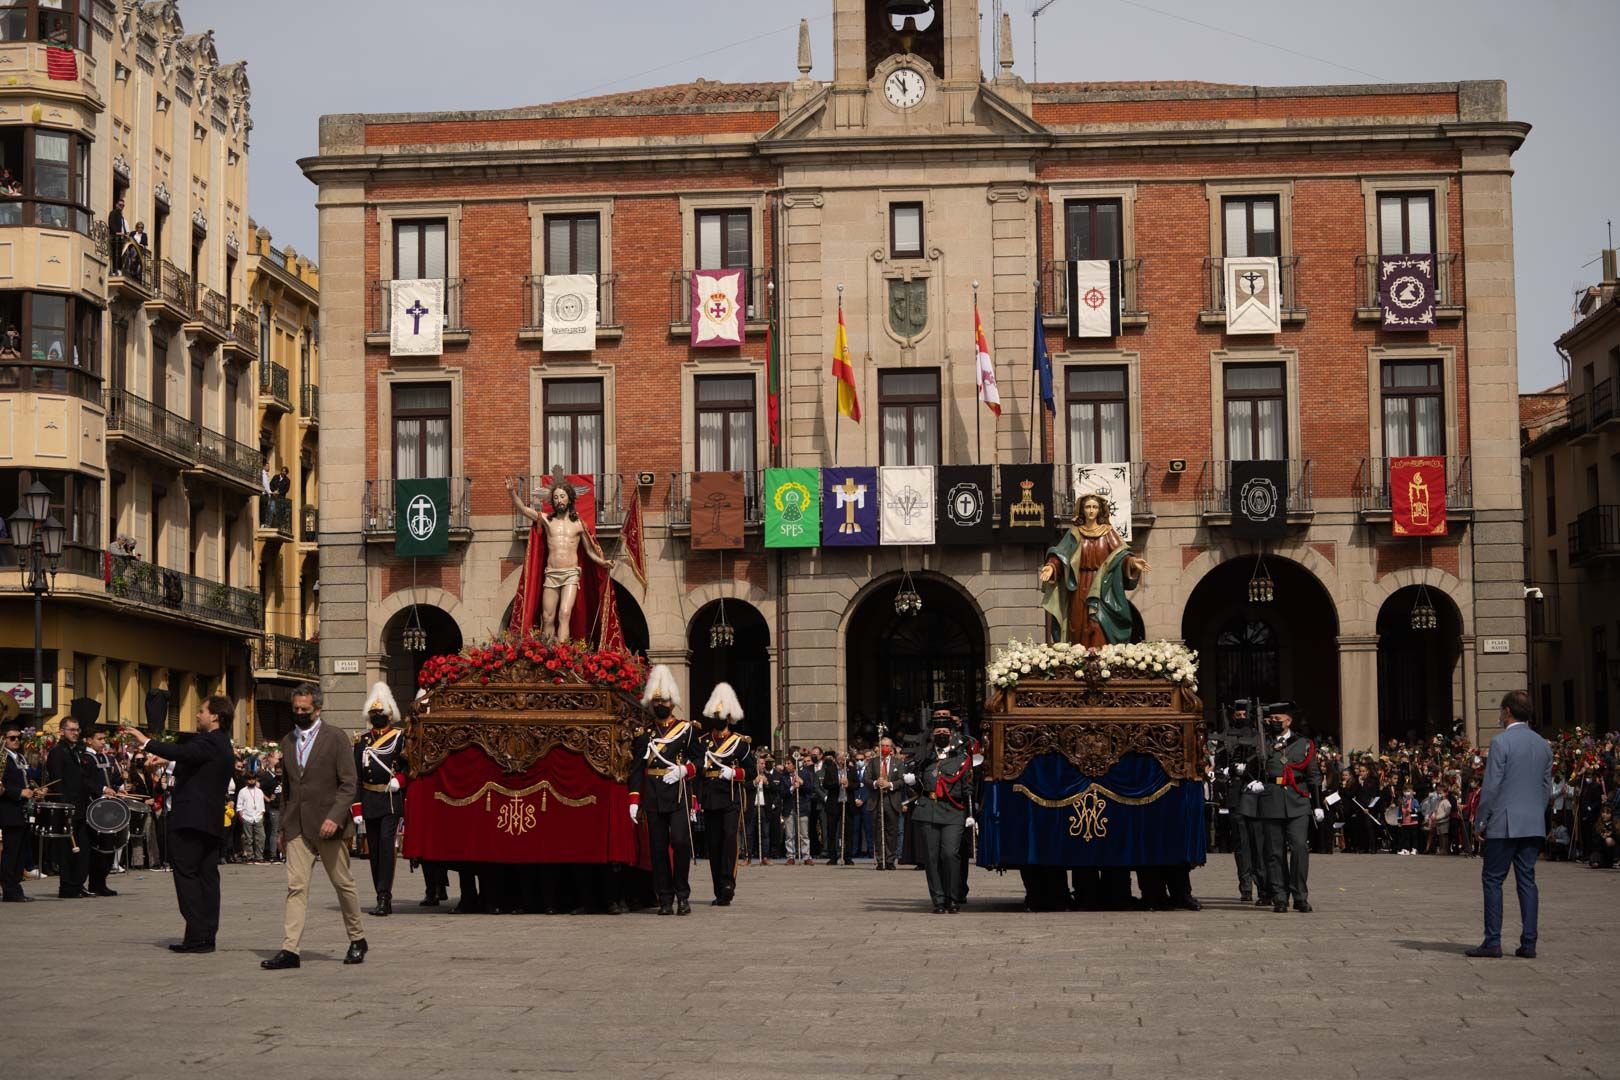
x,y
837,972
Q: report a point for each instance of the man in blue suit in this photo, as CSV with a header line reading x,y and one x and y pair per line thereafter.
x,y
1512,819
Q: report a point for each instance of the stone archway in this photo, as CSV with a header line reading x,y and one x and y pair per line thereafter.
x,y
745,663
1420,676
401,665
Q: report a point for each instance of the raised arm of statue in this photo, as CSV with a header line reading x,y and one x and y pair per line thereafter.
x,y
523,508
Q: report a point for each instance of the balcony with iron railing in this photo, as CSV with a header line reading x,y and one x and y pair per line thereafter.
x,y
211,316
1064,494
1595,534
1214,489
608,489
377,510
134,274
678,504
1293,308
1372,489
534,308
1546,614
275,517
134,420
1579,413
309,403
244,336
755,299
278,656
226,459
311,532
173,297
380,312
1603,414
274,386
139,582
1055,293
1448,286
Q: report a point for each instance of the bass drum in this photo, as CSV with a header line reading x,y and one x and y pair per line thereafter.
x,y
108,819
53,819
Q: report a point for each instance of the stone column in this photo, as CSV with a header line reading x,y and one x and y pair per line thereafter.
x,y
1358,692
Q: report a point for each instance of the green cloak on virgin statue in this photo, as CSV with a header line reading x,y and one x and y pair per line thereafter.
x,y
1086,577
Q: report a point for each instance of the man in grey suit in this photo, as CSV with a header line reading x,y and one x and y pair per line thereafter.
x,y
1512,818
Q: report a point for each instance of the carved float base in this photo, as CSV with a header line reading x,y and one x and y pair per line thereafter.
x,y
1094,725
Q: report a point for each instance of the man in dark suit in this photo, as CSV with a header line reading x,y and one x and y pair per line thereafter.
x,y
890,793
64,778
202,773
860,807
317,824
14,792
1512,819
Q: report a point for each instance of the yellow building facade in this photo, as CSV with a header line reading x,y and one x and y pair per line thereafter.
x,y
128,351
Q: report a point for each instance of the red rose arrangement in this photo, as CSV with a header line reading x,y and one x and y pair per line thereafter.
x,y
563,663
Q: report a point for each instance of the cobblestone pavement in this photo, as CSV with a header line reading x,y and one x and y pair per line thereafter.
x,y
837,972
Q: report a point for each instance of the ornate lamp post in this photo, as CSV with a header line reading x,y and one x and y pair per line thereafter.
x,y
38,538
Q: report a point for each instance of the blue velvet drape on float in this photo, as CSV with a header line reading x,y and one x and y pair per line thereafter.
x,y
1136,814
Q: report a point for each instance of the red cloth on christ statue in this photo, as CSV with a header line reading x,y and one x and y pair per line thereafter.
x,y
595,618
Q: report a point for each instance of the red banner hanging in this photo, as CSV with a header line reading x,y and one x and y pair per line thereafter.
x,y
1417,495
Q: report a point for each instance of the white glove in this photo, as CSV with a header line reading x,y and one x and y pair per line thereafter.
x,y
1242,768
1319,817
727,773
1256,786
971,823
635,810
393,783
910,778
674,776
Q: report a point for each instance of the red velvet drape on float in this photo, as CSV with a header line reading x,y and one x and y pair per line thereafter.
x,y
595,617
559,810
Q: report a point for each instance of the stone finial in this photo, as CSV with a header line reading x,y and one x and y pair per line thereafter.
x,y
804,50
1006,57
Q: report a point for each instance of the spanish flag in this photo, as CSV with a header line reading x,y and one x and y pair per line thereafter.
x,y
849,402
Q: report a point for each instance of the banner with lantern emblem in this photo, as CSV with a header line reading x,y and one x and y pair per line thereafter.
x,y
717,309
1417,495
792,508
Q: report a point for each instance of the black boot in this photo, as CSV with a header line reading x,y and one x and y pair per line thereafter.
x,y
385,905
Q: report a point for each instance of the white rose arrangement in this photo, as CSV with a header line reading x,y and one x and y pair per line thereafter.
x,y
1166,661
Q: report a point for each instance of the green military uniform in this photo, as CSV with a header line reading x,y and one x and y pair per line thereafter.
x,y
1293,791
944,778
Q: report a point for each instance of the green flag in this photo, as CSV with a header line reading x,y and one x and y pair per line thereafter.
x,y
422,517
792,508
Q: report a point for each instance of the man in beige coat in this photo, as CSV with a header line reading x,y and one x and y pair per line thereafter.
x,y
317,823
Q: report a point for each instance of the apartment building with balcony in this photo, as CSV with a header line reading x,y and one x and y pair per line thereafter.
x,y
902,190
1571,479
125,389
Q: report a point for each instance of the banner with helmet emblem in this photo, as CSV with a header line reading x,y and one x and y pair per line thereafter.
x,y
1417,495
422,517
717,308
965,508
1111,480
569,315
792,508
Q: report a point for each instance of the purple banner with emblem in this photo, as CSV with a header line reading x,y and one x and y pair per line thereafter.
x,y
849,507
1406,291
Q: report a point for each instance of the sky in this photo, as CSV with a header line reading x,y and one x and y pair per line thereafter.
x,y
308,58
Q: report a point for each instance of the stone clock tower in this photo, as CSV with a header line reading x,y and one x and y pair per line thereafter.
x,y
905,63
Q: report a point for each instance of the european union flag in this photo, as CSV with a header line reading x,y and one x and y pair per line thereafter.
x,y
1043,359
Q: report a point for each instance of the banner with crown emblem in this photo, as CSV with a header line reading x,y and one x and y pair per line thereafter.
x,y
1417,495
907,512
849,499
1026,504
717,309
1111,480
792,508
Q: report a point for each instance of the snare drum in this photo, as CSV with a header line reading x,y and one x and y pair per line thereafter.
x,y
53,819
108,819
138,813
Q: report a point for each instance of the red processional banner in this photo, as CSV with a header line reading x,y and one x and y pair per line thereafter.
x,y
1417,495
559,810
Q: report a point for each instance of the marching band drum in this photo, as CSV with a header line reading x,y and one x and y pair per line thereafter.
x,y
108,819
53,818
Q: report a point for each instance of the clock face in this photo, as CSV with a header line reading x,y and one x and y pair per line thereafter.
x,y
904,88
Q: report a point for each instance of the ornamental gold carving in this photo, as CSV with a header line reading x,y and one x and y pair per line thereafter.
x,y
517,723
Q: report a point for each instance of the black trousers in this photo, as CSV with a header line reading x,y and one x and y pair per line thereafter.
x,y
720,836
886,837
436,880
15,839
1289,837
942,860
380,834
670,832
73,866
195,857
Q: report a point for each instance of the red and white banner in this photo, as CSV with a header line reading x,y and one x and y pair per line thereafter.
x,y
1417,495
717,308
989,392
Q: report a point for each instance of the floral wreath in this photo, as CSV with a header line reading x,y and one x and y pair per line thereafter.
x,y
564,662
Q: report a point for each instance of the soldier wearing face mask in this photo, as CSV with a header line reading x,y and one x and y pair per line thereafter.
x,y
662,768
943,776
728,768
379,758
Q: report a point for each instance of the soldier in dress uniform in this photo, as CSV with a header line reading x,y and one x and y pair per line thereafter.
x,y
727,775
1293,796
379,759
970,746
662,765
1244,761
942,775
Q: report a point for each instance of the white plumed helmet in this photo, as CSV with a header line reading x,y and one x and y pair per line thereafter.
x,y
723,703
661,684
382,700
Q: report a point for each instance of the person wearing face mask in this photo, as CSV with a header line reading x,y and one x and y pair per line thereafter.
x,y
728,771
379,759
943,776
1293,797
662,767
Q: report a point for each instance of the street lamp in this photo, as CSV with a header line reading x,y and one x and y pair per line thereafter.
x,y
38,538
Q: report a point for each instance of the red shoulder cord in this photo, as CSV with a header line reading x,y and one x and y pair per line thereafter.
x,y
1291,770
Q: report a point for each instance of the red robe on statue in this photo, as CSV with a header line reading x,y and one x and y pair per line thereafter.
x,y
595,617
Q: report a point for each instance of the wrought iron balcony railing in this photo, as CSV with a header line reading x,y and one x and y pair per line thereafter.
x,y
1055,290
377,509
609,489
1448,281
158,586
1293,305
678,505
1215,486
755,295
1372,491
1595,534
236,459
135,417
286,655
377,318
534,301
274,384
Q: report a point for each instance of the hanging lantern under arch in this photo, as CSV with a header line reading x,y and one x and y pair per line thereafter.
x,y
908,601
721,634
1424,617
1262,590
